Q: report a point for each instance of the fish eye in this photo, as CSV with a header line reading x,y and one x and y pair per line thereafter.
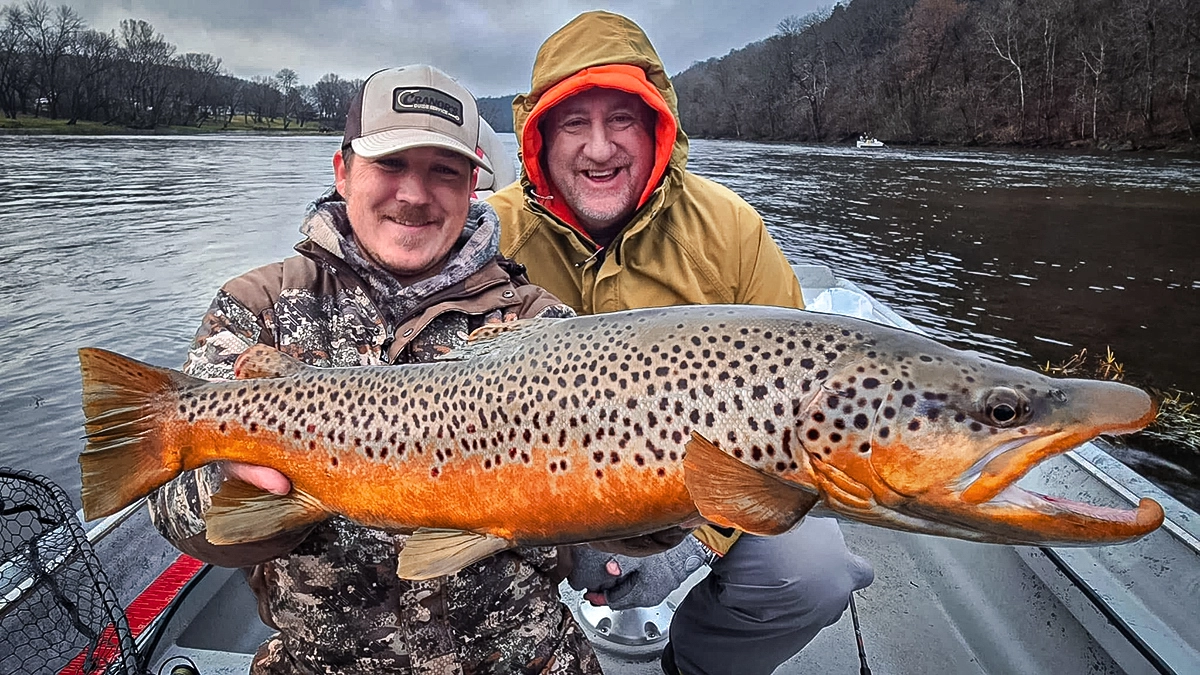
x,y
1002,413
1005,407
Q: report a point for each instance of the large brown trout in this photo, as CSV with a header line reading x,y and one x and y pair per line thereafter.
x,y
553,431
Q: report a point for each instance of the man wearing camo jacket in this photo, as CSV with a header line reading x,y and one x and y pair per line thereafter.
x,y
398,266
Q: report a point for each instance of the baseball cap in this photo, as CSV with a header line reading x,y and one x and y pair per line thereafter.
x,y
411,107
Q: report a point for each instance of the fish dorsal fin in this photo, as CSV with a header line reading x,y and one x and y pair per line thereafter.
x,y
430,553
730,493
497,336
241,512
263,361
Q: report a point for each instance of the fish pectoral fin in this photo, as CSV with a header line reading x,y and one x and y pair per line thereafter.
x,y
242,513
731,493
433,553
267,362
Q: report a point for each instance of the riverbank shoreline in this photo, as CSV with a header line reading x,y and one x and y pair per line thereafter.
x,y
41,126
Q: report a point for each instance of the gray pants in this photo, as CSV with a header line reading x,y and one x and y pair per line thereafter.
x,y
766,599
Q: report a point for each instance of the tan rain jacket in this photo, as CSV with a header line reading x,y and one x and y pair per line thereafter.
x,y
692,241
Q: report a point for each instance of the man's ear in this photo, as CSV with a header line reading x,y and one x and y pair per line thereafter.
x,y
341,171
474,178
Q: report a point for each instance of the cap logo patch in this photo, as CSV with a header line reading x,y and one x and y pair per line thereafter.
x,y
430,101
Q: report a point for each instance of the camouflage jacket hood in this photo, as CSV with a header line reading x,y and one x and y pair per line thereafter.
x,y
331,591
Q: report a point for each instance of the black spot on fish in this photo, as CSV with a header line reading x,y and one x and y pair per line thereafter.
x,y
884,432
813,434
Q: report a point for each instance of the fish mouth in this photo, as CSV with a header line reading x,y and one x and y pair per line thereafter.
x,y
988,501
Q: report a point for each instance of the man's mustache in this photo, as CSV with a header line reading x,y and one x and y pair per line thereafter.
x,y
416,214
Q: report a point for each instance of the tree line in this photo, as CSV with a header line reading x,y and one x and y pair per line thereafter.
x,y
1027,72
53,65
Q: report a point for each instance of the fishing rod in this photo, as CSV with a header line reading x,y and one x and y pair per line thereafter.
x,y
864,669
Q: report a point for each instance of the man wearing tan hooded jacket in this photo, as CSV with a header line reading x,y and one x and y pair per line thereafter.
x,y
607,218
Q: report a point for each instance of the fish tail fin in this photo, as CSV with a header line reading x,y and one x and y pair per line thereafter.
x,y
125,457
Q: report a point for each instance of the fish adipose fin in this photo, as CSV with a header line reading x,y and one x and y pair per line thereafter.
x,y
433,553
241,512
731,493
125,457
266,362
498,336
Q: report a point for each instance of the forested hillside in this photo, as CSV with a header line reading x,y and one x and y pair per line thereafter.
x,y
1029,72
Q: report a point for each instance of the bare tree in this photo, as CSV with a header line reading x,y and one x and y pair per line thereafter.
x,y
50,35
263,99
16,70
196,93
1092,56
1003,31
147,55
287,82
332,96
94,56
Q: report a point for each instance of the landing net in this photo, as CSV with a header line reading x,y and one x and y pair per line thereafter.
x,y
57,610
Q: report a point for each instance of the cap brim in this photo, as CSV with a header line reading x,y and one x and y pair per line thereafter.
x,y
396,140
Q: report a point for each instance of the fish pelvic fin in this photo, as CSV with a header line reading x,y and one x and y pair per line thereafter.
x,y
731,493
125,456
433,553
266,362
241,513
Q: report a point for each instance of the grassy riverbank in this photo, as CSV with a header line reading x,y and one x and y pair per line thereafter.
x,y
27,124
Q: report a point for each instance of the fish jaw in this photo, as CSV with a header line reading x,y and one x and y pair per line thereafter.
x,y
1112,408
982,501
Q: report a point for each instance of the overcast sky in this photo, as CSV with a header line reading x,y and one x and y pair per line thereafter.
x,y
489,45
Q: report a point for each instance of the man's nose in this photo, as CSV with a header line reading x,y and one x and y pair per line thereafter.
x,y
412,188
599,147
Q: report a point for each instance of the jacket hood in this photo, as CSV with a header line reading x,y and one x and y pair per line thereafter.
x,y
608,50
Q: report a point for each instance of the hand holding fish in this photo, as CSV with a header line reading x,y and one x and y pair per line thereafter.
x,y
622,582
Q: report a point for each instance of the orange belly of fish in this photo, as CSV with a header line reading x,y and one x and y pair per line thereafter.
x,y
524,501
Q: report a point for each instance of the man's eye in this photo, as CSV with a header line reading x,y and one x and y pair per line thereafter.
x,y
447,170
622,121
574,124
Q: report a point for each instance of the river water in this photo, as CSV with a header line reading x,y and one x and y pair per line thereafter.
x,y
120,243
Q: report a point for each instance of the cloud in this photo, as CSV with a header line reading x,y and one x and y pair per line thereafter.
x,y
488,45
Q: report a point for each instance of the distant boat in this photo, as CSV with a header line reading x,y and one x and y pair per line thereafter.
x,y
865,141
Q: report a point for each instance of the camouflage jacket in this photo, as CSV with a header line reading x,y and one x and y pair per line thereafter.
x,y
331,591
